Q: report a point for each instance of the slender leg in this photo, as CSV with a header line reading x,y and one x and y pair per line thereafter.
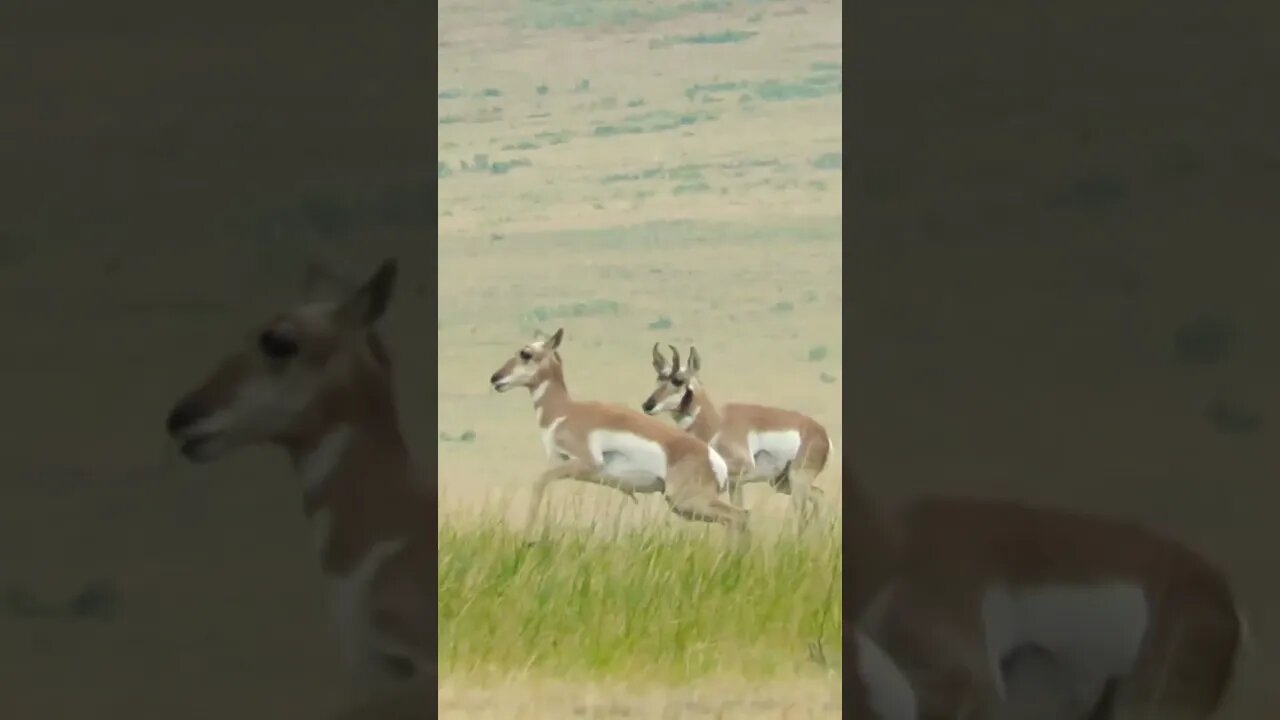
x,y
713,509
572,469
801,500
735,488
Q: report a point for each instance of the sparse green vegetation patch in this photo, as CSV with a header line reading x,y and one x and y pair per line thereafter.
x,y
688,173
718,38
828,161
779,91
691,188
482,163
588,308
655,121
693,92
556,137
670,603
816,85
547,14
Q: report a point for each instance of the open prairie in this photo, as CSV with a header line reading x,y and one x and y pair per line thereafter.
x,y
636,173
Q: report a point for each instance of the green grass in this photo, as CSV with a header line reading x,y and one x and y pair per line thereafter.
x,y
656,121
667,602
719,38
547,14
590,308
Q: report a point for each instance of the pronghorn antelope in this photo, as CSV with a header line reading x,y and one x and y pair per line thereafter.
x,y
613,446
756,441
957,591
315,380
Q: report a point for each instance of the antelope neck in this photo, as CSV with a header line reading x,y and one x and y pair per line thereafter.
x,y
358,484
550,395
703,419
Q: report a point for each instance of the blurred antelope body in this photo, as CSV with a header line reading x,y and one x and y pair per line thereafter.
x,y
985,604
316,380
613,446
784,448
877,689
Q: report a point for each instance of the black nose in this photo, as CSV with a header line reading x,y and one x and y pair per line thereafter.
x,y
647,406
183,415
494,378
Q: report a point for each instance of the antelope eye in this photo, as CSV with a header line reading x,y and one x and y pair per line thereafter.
x,y
677,381
526,355
277,346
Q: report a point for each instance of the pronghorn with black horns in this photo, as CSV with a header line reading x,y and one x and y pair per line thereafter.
x,y
615,446
315,380
783,448
987,606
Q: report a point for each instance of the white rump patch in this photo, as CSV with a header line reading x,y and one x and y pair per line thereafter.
x,y
719,467
889,694
633,462
1094,632
772,450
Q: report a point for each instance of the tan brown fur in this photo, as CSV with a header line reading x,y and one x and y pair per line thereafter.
x,y
334,379
726,428
690,484
940,554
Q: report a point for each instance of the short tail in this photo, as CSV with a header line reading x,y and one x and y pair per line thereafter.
x,y
783,478
1244,643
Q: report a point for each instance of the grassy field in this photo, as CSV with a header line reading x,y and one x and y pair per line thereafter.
x,y
635,173
653,604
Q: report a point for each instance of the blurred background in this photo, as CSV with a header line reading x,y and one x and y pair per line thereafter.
x,y
165,172
1061,270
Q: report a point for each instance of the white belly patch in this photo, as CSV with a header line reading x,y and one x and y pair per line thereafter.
x,y
1095,632
359,640
772,450
889,694
720,468
632,462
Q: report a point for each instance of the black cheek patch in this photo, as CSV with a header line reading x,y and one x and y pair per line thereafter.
x,y
686,402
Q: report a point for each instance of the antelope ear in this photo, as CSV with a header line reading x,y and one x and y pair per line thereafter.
x,y
553,342
695,362
369,302
659,362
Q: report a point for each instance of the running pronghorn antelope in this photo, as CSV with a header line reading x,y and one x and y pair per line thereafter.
x,y
966,595
315,380
756,441
614,446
